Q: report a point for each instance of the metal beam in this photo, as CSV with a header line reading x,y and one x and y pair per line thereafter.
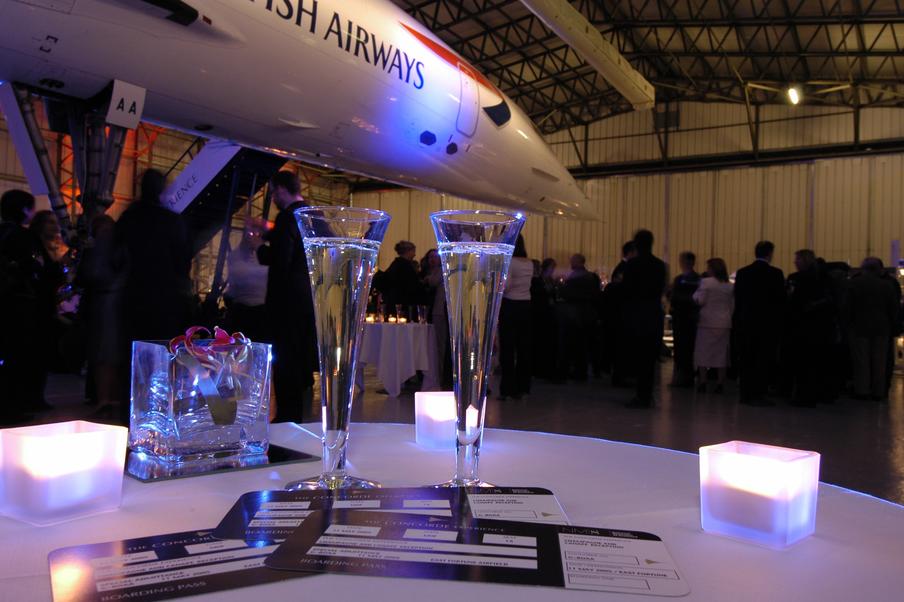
x,y
731,160
689,50
756,21
32,149
766,54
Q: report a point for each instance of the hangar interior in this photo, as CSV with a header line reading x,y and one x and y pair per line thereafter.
x,y
723,160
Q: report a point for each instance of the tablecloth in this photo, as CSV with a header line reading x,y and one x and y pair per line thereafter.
x,y
857,553
398,351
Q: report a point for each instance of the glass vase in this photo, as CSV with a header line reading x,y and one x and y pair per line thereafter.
x,y
197,407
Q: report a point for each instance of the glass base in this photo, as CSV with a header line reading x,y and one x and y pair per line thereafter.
x,y
147,468
326,481
463,483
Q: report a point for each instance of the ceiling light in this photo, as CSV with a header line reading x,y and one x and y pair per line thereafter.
x,y
794,95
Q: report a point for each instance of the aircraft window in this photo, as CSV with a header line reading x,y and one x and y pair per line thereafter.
x,y
452,148
500,114
428,138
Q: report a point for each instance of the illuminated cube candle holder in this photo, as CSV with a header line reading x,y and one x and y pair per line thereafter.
x,y
434,419
56,472
760,493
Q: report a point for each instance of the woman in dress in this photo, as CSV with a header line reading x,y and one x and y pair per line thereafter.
x,y
515,327
246,293
431,275
716,300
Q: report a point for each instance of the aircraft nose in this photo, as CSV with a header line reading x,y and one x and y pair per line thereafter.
x,y
574,203
563,195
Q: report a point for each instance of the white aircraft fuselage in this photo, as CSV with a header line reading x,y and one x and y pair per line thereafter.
x,y
356,85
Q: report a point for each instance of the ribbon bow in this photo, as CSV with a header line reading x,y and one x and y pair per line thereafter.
x,y
210,355
212,364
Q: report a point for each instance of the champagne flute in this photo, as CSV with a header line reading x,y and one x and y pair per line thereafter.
x,y
475,248
341,245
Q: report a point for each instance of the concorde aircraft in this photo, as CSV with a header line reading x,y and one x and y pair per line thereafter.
x,y
356,85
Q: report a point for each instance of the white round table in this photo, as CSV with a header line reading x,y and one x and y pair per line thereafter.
x,y
398,351
857,552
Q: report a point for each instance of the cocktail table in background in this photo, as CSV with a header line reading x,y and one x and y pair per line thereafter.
x,y
398,351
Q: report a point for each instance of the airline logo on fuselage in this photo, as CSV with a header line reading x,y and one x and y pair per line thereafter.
x,y
452,59
350,37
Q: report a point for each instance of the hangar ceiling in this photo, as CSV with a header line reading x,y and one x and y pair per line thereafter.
x,y
840,52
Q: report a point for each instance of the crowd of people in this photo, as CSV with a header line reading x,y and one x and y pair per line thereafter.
x,y
808,337
805,337
133,282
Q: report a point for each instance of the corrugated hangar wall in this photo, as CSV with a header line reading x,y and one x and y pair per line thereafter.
x,y
842,208
845,209
719,128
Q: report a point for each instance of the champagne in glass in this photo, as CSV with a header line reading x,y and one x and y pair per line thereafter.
x,y
475,249
341,245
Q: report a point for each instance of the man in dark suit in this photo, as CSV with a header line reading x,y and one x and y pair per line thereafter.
x,y
290,307
685,314
643,285
759,309
897,330
577,312
157,295
153,257
614,337
871,310
812,328
21,270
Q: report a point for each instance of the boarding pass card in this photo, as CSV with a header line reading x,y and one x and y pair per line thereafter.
x,y
162,567
432,547
270,516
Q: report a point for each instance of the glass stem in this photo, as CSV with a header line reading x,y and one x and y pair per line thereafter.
x,y
466,458
335,447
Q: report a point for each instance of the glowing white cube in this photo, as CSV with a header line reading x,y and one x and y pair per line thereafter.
x,y
759,493
56,472
434,419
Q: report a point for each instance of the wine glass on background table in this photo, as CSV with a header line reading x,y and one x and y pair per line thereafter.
x,y
341,245
475,249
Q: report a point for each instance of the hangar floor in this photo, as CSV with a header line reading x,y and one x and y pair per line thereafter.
x,y
862,443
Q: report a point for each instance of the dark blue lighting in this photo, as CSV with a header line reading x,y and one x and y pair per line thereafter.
x,y
428,138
